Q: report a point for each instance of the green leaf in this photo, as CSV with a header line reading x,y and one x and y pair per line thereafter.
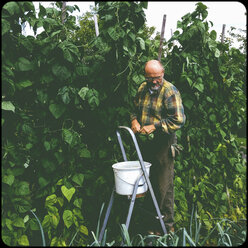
x,y
93,98
8,223
132,50
50,21
102,154
46,221
12,7
59,156
209,99
77,212
217,53
84,153
5,26
137,78
54,241
82,70
223,134
78,203
23,240
66,98
8,179
144,4
48,165
50,200
22,188
83,92
43,182
213,35
189,81
10,87
55,33
55,220
212,117
61,72
42,11
68,56
78,178
68,218
28,146
211,45
83,229
34,226
22,205
47,145
18,222
113,33
67,136
24,84
24,64
200,87
68,193
132,36
188,103
60,201
57,110
142,43
7,105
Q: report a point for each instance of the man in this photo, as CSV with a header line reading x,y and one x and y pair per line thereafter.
x,y
158,109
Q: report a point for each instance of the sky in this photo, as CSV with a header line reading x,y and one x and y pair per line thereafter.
x,y
230,13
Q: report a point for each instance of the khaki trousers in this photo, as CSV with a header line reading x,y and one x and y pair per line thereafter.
x,y
158,152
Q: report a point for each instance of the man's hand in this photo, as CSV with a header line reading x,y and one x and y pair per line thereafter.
x,y
147,129
135,126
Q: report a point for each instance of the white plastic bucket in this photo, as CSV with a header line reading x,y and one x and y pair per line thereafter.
x,y
126,174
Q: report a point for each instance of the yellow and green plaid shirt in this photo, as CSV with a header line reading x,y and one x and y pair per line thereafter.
x,y
163,108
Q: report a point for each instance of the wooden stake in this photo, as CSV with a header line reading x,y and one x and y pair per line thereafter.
x,y
96,25
161,38
63,12
223,33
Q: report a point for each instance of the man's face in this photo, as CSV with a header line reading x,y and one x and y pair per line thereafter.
x,y
154,79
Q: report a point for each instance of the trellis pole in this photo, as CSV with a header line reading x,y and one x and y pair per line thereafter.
x,y
173,42
96,25
161,38
63,12
223,33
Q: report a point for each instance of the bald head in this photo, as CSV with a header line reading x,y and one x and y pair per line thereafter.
x,y
154,73
154,67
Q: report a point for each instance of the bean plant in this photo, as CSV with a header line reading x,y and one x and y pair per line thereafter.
x,y
64,93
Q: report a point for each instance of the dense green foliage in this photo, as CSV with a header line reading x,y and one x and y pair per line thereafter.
x,y
211,78
63,97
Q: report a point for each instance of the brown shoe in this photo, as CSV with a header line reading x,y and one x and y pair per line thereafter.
x,y
137,196
140,195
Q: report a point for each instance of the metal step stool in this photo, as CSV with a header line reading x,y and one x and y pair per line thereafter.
x,y
132,201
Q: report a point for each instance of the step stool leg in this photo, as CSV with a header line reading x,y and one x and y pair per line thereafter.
x,y
132,201
107,215
130,211
156,206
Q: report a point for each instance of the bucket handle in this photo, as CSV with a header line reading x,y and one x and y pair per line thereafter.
x,y
134,141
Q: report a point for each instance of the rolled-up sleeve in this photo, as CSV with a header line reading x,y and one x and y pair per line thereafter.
x,y
174,117
134,112
135,109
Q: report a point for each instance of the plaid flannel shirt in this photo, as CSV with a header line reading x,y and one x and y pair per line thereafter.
x,y
163,108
